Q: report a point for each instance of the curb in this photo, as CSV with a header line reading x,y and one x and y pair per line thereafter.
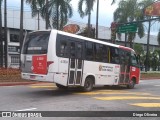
x,y
19,83
150,78
16,83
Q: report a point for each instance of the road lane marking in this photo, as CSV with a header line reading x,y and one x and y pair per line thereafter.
x,y
113,92
43,86
27,109
146,104
157,85
127,98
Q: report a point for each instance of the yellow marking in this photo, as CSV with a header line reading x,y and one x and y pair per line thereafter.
x,y
147,104
127,98
42,86
112,92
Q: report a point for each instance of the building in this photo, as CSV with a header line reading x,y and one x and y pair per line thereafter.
x,y
31,24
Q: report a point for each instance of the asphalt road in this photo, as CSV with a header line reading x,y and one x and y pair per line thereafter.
x,y
47,97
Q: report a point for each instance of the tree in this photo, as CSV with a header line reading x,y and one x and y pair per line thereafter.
x,y
138,49
1,40
37,6
58,11
128,11
88,8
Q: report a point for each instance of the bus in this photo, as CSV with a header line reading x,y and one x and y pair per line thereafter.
x,y
70,60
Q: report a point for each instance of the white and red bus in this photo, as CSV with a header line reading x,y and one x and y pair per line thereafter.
x,y
72,60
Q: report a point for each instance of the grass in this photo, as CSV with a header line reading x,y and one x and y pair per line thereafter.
x,y
150,74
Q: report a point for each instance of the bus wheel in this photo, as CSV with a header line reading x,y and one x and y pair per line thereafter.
x,y
88,85
61,86
131,84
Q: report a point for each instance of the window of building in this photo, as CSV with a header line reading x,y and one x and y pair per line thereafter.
x,y
14,38
15,59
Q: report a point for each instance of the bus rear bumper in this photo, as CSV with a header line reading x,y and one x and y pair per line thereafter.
x,y
36,77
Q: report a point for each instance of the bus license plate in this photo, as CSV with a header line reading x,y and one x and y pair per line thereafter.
x,y
32,76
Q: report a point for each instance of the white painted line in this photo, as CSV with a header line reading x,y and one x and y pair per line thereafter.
x,y
157,85
27,109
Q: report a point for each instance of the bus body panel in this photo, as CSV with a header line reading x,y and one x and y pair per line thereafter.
x,y
134,73
105,74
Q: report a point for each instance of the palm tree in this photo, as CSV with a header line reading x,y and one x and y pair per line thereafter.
x,y
37,6
87,11
1,40
129,11
58,11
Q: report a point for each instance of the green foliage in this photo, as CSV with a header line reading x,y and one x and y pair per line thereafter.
x,y
138,49
88,7
84,32
132,10
58,10
158,37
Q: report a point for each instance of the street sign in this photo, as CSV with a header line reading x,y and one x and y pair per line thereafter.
x,y
127,28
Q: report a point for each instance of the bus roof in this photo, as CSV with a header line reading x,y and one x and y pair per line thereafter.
x,y
88,39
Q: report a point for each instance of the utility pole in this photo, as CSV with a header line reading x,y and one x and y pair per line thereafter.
x,y
147,54
97,19
89,19
47,16
1,39
21,30
57,15
38,17
5,34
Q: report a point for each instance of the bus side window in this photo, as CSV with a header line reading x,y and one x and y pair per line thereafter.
x,y
114,55
89,54
72,50
79,50
105,54
98,51
63,48
134,61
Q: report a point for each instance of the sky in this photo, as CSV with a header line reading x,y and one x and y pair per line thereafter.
x,y
106,11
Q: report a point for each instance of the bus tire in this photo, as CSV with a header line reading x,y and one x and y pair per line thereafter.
x,y
61,86
131,84
88,85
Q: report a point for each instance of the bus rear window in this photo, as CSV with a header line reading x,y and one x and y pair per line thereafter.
x,y
36,43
